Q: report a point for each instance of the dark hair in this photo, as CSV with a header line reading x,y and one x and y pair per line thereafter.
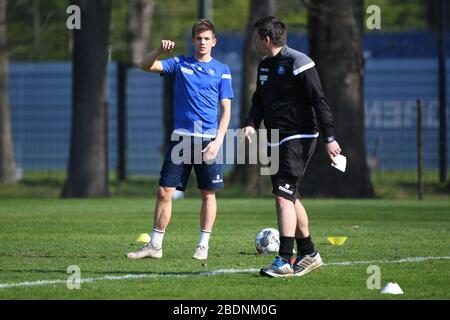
x,y
273,28
203,25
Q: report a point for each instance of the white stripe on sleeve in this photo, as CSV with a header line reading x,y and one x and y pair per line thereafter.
x,y
303,68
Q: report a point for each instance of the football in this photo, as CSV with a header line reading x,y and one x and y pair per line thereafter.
x,y
268,241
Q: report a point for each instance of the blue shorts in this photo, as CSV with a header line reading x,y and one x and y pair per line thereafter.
x,y
176,175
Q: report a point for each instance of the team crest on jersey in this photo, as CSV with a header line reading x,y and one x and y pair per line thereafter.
x,y
281,69
212,72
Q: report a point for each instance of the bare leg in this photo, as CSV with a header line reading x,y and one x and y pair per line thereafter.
x,y
161,219
302,230
207,218
163,208
287,219
209,209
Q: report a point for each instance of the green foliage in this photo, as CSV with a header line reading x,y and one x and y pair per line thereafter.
x,y
172,19
117,40
295,14
51,42
398,15
230,16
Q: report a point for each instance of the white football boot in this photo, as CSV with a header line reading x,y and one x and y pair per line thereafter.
x,y
201,253
307,263
279,268
147,251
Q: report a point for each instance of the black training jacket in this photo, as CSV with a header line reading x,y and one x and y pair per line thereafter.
x,y
289,97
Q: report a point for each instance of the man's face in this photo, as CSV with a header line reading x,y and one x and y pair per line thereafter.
x,y
204,42
261,45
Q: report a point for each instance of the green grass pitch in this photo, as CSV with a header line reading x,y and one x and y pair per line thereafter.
x,y
40,238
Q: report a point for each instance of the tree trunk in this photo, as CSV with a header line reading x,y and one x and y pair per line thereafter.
x,y
335,32
7,163
432,13
87,173
247,175
139,24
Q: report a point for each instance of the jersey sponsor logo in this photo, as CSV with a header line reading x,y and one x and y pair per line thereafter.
x,y
263,78
286,189
187,71
264,69
281,69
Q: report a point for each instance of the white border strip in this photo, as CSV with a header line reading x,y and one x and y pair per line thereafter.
x,y
203,274
191,134
297,136
303,68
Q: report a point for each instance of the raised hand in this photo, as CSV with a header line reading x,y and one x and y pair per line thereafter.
x,y
166,46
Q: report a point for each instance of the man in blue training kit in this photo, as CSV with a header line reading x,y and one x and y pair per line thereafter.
x,y
201,84
289,98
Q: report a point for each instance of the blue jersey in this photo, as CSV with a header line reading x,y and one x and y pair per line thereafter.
x,y
199,86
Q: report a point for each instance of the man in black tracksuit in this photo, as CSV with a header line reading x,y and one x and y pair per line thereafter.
x,y
289,97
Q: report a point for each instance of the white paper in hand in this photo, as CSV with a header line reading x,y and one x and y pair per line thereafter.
x,y
341,162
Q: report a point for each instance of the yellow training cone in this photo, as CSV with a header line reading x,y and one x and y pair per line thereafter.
x,y
337,241
144,237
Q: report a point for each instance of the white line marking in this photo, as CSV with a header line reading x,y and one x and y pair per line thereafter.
x,y
206,273
406,260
